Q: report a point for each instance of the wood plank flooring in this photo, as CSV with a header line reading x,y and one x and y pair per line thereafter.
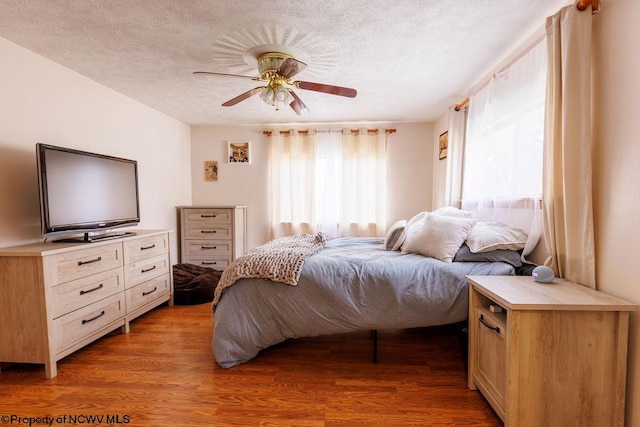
x,y
163,374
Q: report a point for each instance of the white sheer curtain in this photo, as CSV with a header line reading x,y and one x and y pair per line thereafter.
x,y
455,152
503,147
567,177
329,181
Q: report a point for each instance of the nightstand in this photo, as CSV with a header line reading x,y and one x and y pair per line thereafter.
x,y
548,354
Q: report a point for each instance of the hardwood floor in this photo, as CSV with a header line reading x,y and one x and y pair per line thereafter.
x,y
163,374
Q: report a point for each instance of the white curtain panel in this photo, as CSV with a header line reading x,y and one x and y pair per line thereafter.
x,y
504,143
567,175
291,175
455,151
328,181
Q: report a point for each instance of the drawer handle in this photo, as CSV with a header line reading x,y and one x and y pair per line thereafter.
x,y
208,247
144,248
100,286
148,269
93,318
144,294
496,328
208,216
208,262
90,261
208,231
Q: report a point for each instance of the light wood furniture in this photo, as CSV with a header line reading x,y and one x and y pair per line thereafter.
x,y
212,236
58,297
556,354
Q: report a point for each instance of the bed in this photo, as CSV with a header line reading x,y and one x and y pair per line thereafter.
x,y
355,284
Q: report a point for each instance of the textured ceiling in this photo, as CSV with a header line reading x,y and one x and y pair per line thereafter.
x,y
408,59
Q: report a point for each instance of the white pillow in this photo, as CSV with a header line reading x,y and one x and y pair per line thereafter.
x,y
396,235
416,218
489,235
439,236
414,224
453,211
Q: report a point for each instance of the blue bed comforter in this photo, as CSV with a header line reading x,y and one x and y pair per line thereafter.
x,y
353,284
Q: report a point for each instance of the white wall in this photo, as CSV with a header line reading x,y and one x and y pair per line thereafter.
x,y
617,168
41,101
409,171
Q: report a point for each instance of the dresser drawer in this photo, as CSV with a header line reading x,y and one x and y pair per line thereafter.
x,y
146,269
76,294
213,231
216,264
145,248
196,218
76,264
147,292
73,327
208,249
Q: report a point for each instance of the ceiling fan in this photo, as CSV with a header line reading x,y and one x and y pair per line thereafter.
x,y
276,71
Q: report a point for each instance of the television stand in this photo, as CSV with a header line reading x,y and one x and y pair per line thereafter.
x,y
87,238
56,299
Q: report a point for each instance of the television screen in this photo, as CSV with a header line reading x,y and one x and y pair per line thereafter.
x,y
82,192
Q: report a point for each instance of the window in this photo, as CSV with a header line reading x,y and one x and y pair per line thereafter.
x,y
503,154
329,181
502,174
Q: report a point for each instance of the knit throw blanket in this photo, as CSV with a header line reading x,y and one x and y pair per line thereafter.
x,y
279,260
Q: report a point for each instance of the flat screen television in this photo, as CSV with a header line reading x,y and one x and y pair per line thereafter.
x,y
85,194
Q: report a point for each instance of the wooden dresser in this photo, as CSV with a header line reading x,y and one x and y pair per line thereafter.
x,y
212,236
58,297
555,355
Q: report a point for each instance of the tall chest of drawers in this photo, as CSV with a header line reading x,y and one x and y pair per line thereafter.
x,y
55,298
212,236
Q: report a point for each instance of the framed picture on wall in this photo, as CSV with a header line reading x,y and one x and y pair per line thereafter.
x,y
240,152
444,144
210,170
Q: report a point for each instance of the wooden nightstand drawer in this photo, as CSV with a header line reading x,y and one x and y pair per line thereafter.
x,y
77,264
145,248
75,326
147,292
491,354
76,294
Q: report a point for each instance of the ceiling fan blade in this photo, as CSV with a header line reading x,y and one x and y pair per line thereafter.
x,y
290,67
211,73
297,104
333,90
243,96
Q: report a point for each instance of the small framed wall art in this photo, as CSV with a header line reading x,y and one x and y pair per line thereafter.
x,y
444,144
240,152
210,170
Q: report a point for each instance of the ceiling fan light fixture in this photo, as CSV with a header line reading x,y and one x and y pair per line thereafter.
x,y
282,94
268,95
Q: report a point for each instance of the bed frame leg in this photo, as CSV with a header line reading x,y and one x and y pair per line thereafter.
x,y
374,339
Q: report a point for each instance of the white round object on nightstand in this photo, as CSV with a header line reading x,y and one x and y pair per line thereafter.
x,y
543,274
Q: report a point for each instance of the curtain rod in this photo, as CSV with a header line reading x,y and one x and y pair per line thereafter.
x,y
463,103
584,4
580,5
306,131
